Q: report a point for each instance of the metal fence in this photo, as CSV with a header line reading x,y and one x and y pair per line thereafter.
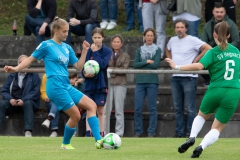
x,y
126,71
123,71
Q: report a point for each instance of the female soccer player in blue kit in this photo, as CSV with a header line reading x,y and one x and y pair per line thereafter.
x,y
57,55
222,96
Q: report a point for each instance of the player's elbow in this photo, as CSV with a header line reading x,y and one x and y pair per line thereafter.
x,y
78,67
199,66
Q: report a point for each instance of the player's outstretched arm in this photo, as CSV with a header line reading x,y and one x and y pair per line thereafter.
x,y
25,63
187,67
79,65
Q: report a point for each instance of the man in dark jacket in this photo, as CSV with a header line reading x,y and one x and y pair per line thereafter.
x,y
82,17
219,14
230,6
40,14
21,92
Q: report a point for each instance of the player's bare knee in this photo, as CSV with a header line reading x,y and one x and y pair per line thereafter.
x,y
76,117
93,108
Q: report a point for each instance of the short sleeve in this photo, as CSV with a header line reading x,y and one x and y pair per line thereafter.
x,y
197,43
207,59
40,52
169,44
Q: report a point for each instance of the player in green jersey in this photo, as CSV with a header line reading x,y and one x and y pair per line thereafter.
x,y
222,96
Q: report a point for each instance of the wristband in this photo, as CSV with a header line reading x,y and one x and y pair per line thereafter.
x,y
177,67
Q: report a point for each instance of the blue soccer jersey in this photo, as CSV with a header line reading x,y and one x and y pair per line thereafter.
x,y
56,57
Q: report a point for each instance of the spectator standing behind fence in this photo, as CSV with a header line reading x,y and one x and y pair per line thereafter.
x,y
147,57
230,6
21,93
130,20
156,11
109,11
83,18
191,10
40,15
117,85
96,86
184,49
219,15
53,116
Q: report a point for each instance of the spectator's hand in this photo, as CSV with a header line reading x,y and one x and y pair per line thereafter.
x,y
94,47
76,84
47,100
80,80
42,30
171,63
85,45
88,75
13,102
150,61
74,22
154,1
235,2
19,102
10,69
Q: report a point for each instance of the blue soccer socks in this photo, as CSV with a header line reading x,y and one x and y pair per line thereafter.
x,y
94,125
68,133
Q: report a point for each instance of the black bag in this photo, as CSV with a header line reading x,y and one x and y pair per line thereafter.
x,y
172,6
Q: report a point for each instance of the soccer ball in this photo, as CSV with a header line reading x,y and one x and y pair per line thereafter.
x,y
111,141
91,67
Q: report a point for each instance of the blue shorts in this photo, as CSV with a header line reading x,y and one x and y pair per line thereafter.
x,y
98,98
61,93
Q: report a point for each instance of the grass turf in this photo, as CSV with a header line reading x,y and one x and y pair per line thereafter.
x,y
44,148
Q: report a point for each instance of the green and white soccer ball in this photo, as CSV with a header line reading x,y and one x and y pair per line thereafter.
x,y
112,141
91,67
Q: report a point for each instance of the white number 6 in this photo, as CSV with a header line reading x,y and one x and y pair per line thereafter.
x,y
228,69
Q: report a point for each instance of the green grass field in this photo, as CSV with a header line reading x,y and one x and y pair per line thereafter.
x,y
44,148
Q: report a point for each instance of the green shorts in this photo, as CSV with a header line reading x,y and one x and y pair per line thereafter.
x,y
222,100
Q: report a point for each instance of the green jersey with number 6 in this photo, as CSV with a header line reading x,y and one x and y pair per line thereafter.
x,y
223,67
